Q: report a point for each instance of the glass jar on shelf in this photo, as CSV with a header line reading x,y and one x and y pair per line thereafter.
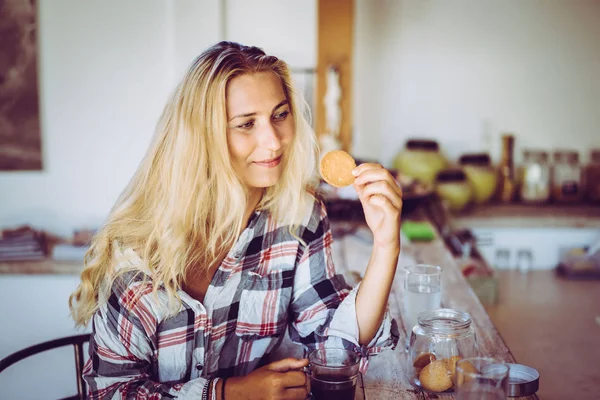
x,y
593,176
453,187
535,184
482,176
420,159
567,177
441,338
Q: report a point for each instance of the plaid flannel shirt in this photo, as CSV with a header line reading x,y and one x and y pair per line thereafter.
x,y
268,283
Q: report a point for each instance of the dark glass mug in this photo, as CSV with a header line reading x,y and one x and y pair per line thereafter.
x,y
333,374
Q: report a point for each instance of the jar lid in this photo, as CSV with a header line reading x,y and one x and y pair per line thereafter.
x,y
422,144
522,380
444,320
451,175
538,156
475,159
566,156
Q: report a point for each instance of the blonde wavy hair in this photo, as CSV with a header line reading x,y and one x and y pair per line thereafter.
x,y
184,207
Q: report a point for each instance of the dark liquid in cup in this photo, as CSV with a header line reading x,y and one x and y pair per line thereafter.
x,y
332,387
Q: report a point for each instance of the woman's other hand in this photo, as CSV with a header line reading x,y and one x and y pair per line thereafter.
x,y
284,379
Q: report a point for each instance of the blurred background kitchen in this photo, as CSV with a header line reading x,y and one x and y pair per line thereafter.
x,y
491,107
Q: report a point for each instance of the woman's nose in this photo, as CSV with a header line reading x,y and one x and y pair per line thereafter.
x,y
270,137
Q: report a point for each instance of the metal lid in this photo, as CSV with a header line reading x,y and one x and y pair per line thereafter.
x,y
475,159
595,156
422,144
566,156
536,156
451,175
522,380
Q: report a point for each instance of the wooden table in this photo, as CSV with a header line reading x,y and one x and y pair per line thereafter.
x,y
387,375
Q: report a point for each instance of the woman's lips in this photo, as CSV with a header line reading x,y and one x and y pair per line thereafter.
x,y
269,163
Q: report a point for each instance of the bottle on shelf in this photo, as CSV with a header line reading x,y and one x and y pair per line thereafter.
x,y
508,182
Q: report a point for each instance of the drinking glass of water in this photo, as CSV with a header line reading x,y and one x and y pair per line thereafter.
x,y
422,291
481,378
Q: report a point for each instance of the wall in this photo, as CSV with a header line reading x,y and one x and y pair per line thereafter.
x,y
464,71
106,69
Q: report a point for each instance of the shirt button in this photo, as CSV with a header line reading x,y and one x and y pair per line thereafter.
x,y
199,367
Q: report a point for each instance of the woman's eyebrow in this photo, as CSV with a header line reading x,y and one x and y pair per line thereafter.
x,y
252,114
281,104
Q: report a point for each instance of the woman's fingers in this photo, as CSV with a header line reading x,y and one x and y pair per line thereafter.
x,y
384,203
287,364
374,174
382,188
294,379
364,167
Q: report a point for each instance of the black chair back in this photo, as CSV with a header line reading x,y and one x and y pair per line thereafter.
x,y
77,341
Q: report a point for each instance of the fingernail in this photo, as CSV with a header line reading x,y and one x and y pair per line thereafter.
x,y
355,171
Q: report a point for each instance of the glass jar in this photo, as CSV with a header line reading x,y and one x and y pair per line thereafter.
x,y
593,176
481,175
441,338
420,159
535,184
567,177
454,189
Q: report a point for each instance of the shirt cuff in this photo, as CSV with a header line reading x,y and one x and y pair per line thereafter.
x,y
344,324
192,389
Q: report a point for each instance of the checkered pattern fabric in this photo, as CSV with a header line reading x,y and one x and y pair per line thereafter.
x,y
269,283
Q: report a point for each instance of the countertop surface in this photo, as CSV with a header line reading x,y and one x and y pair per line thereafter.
x,y
488,216
387,377
529,216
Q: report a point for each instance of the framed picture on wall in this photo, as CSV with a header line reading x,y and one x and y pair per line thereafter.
x,y
20,133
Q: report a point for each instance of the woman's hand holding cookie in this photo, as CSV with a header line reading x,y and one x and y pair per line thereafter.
x,y
381,198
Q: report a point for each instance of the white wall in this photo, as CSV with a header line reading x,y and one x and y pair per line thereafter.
x,y
106,69
103,82
284,28
463,71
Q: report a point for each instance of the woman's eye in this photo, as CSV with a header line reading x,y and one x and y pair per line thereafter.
x,y
246,125
281,116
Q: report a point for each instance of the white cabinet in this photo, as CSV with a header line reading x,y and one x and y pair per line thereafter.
x,y
544,244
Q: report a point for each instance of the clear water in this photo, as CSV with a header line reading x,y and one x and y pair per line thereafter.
x,y
419,298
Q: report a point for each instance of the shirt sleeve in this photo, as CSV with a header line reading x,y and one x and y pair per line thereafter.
x,y
323,309
122,351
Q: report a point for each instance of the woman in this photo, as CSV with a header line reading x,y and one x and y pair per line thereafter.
x,y
218,245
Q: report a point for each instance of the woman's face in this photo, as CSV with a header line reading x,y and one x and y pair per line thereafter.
x,y
260,128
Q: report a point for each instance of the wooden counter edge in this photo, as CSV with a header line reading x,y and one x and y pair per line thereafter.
x,y
46,266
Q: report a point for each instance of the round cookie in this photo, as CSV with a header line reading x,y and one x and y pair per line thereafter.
x,y
467,368
336,168
435,377
423,360
451,366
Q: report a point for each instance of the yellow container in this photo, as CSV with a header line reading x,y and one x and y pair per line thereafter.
x,y
420,159
454,189
482,176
